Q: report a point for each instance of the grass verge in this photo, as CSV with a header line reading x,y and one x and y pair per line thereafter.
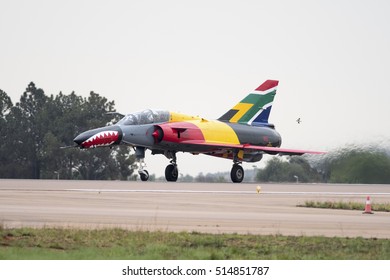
x,y
77,244
379,207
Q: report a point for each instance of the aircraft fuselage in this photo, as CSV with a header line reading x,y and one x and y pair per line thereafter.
x,y
184,136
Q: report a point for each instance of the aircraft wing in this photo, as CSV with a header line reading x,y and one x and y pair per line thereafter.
x,y
248,147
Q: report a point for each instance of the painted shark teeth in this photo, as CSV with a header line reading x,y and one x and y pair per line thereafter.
x,y
104,138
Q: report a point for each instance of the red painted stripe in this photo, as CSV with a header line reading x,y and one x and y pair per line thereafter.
x,y
187,131
268,84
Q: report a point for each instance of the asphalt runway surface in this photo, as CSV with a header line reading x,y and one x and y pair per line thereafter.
x,y
192,207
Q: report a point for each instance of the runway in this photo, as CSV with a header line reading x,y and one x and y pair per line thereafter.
x,y
198,207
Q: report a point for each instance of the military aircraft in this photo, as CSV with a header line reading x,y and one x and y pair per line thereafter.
x,y
242,134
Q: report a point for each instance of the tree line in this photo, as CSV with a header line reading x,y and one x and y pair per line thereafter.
x,y
33,130
348,165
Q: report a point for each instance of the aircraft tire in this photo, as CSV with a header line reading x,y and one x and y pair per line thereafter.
x,y
237,173
144,175
171,173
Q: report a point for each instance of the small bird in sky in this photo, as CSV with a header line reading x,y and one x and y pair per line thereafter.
x,y
299,120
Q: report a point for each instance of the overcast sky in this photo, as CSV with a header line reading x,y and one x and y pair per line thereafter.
x,y
332,59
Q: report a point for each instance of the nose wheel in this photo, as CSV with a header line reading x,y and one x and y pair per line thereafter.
x,y
144,174
140,155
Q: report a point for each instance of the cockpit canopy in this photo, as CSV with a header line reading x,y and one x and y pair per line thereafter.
x,y
145,117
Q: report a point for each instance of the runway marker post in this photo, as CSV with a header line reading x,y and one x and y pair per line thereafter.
x,y
367,209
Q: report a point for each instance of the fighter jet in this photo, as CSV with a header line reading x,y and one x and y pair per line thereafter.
x,y
242,134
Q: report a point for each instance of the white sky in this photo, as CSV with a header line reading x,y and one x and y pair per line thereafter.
x,y
201,57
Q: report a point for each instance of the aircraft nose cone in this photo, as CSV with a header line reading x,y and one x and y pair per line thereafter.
x,y
100,137
81,138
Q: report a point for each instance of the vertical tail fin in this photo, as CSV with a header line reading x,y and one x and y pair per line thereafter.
x,y
255,108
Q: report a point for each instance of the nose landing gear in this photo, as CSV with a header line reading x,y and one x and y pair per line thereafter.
x,y
140,155
143,173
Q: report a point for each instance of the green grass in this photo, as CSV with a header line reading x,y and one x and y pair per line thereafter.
x,y
384,207
75,244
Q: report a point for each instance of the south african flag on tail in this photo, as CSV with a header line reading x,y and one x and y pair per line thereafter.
x,y
255,108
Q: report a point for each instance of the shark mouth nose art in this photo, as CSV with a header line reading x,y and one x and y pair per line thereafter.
x,y
100,137
104,138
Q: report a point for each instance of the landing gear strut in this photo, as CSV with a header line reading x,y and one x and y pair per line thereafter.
x,y
171,171
237,172
140,155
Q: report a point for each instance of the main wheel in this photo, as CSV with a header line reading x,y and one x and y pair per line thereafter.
x,y
144,174
171,173
237,173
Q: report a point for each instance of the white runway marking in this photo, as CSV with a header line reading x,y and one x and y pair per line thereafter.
x,y
228,192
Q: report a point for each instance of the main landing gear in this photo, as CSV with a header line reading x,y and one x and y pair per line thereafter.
x,y
171,171
237,172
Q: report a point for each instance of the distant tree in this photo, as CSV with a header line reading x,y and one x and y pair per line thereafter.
x,y
187,178
27,124
95,109
277,170
359,166
68,121
200,178
210,178
94,164
5,141
305,172
5,104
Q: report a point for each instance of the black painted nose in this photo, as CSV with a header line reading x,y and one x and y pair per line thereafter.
x,y
82,137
